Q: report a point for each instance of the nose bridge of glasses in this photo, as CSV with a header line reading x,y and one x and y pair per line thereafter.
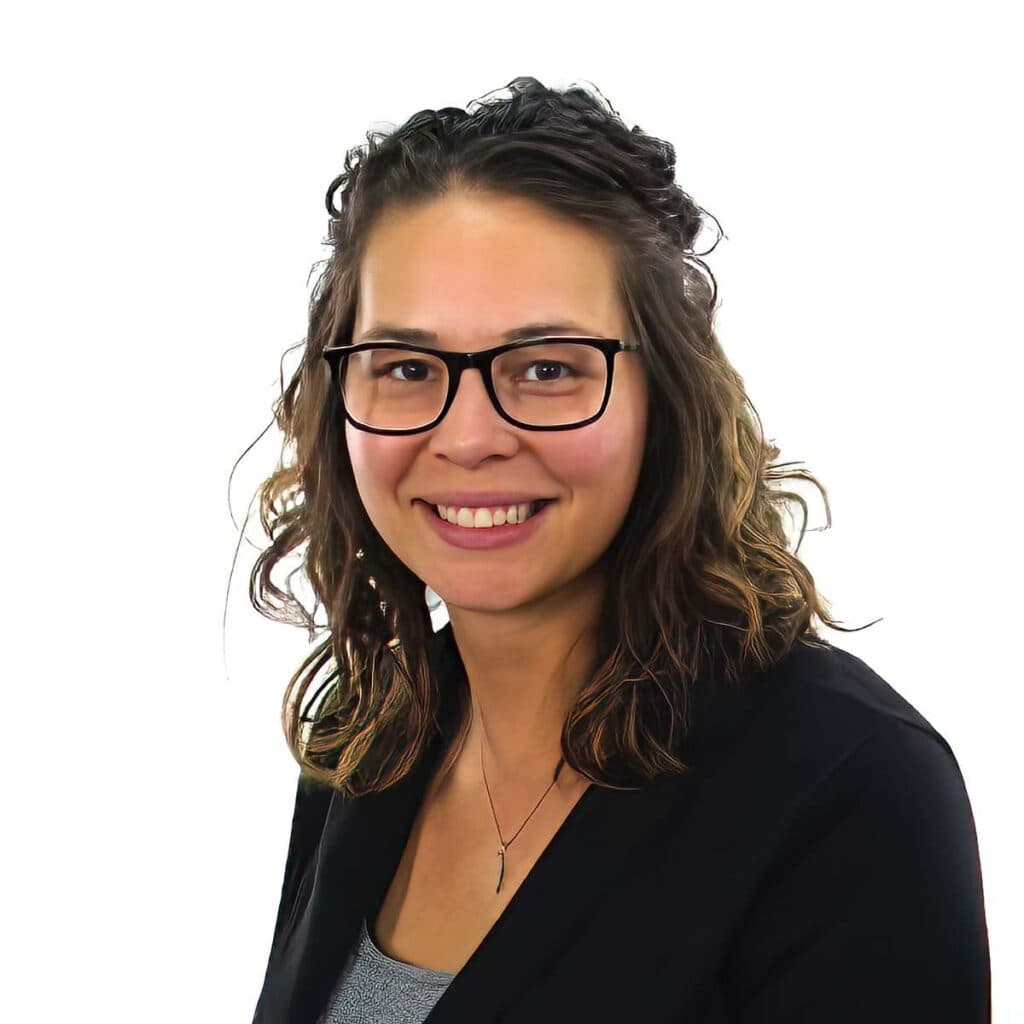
x,y
474,367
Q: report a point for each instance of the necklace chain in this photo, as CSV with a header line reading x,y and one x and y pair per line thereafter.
x,y
504,845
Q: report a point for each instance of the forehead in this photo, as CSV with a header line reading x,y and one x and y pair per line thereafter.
x,y
478,264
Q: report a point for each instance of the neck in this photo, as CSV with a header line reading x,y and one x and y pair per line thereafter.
x,y
525,669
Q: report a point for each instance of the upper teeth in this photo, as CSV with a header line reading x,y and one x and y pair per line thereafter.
x,y
478,517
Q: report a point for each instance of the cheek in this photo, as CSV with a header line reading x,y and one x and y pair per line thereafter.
x,y
378,463
608,453
604,456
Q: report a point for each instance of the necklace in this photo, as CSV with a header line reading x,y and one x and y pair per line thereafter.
x,y
503,845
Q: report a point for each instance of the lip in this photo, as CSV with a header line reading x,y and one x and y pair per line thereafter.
x,y
484,538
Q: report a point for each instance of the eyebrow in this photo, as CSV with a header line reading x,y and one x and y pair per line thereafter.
x,y
417,336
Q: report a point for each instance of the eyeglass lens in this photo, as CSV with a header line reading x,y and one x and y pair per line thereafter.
x,y
545,384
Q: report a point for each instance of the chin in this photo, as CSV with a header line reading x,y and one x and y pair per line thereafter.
x,y
489,595
480,603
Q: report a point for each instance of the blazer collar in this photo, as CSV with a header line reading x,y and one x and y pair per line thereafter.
x,y
360,849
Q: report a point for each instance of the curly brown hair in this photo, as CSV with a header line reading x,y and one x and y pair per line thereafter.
x,y
700,567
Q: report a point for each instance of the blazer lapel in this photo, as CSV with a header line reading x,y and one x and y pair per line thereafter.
x,y
605,834
359,851
607,837
605,831
360,847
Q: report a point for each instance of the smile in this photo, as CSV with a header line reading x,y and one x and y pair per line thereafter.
x,y
488,518
486,528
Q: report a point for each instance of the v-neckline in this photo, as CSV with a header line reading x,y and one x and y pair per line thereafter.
x,y
604,835
565,827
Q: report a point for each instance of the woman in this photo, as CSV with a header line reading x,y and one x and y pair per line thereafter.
x,y
627,781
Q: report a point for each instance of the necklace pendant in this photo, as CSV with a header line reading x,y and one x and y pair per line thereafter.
x,y
501,867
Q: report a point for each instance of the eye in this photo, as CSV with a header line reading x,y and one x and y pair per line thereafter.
x,y
420,372
547,363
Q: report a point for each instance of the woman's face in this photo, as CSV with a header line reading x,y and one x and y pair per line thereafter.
x,y
470,268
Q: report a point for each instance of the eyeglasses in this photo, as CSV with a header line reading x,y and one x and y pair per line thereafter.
x,y
549,383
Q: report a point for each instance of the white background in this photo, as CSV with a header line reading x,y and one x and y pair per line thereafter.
x,y
163,184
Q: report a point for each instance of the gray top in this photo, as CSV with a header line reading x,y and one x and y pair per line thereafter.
x,y
374,988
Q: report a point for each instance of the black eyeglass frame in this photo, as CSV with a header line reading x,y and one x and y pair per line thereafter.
x,y
457,362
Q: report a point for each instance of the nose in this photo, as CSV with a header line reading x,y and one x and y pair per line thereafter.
x,y
473,429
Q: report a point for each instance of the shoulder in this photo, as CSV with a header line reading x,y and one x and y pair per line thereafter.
x,y
828,677
818,720
833,701
883,764
310,811
851,786
867,889
312,802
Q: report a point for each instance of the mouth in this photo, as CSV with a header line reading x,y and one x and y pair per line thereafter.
x,y
470,519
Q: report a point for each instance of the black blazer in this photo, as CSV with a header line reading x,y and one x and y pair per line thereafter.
x,y
818,863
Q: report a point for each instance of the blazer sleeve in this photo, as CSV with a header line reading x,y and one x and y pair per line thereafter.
x,y
874,910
